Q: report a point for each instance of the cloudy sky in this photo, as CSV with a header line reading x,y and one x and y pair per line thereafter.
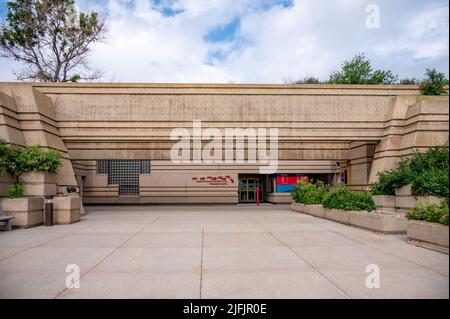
x,y
261,41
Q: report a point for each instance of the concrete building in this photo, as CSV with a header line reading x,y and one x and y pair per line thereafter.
x,y
116,138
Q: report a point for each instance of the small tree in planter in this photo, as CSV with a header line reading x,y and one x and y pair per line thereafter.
x,y
27,211
31,166
38,170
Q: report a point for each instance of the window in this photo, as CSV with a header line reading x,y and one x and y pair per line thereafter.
x,y
124,173
102,167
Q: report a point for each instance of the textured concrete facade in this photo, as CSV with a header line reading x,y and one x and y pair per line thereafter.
x,y
322,129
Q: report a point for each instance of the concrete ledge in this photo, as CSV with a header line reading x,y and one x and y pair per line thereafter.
x,y
389,223
27,211
338,215
298,207
317,210
403,191
384,203
429,235
377,221
406,203
6,181
279,198
67,210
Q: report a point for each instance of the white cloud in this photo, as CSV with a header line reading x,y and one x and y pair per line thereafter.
x,y
271,45
425,35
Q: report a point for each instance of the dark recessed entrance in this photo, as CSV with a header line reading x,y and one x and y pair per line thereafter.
x,y
247,188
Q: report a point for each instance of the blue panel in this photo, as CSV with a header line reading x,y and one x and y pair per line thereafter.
x,y
284,188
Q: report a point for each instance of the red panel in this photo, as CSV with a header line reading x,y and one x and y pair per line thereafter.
x,y
290,179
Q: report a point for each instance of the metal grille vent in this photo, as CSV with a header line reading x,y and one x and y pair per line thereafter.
x,y
124,173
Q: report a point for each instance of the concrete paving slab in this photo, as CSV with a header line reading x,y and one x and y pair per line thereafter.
x,y
314,238
421,256
292,227
250,259
247,239
25,240
52,260
89,240
157,227
153,260
355,258
223,251
99,284
234,228
31,285
165,240
271,284
394,284
111,227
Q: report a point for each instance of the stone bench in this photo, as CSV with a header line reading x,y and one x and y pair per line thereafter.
x,y
7,222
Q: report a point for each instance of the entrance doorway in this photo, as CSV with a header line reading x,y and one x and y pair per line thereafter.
x,y
247,189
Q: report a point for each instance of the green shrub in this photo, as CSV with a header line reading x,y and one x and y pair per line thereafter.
x,y
426,172
309,193
388,181
15,191
341,197
3,163
430,213
35,159
434,83
18,160
429,172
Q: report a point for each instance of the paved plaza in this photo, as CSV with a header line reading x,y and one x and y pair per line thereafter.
x,y
214,251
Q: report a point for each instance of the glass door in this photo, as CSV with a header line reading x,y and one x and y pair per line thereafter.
x,y
247,189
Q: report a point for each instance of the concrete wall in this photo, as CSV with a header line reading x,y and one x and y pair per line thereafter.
x,y
322,129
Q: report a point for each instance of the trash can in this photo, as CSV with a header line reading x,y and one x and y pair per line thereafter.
x,y
48,211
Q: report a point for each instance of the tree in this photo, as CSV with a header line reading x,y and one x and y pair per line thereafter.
x,y
50,40
307,80
409,81
359,71
434,82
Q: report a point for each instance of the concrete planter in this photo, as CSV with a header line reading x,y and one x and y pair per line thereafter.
x,y
380,222
384,203
27,211
317,210
429,235
404,191
405,203
39,183
298,207
338,215
66,210
6,181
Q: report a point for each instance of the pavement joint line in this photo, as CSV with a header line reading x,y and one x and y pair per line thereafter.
x,y
378,248
36,246
39,245
392,254
108,255
201,262
303,259
382,250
